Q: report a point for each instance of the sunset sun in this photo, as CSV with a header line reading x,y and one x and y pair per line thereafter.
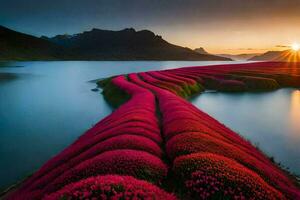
x,y
295,47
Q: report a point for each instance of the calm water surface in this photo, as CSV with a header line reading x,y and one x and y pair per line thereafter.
x,y
44,106
269,120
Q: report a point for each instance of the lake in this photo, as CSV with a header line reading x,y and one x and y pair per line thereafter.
x,y
45,106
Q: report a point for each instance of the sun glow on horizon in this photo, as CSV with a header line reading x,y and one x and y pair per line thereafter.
x,y
295,114
292,55
295,46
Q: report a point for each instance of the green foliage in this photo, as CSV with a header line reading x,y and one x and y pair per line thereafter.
x,y
113,94
259,83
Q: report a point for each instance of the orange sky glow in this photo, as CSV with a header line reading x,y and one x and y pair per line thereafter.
x,y
235,37
231,26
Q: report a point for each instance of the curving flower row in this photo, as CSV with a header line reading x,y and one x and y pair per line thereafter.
x,y
135,163
188,130
210,176
242,77
111,187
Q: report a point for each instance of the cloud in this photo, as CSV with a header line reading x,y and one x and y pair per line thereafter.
x,y
247,49
282,46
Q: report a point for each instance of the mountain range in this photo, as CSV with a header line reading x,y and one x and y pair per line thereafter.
x,y
19,46
286,55
236,57
96,44
240,57
127,44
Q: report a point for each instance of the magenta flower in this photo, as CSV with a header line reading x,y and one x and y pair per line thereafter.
x,y
111,187
209,176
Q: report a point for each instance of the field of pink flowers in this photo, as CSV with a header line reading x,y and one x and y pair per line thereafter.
x,y
157,138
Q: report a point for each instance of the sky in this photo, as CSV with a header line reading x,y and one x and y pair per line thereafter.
x,y
220,26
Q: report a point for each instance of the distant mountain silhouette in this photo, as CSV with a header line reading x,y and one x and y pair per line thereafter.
x,y
201,50
286,55
96,44
240,57
269,55
18,46
244,56
126,44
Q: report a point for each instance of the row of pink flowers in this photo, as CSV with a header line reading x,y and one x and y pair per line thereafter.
x,y
188,130
127,142
186,80
187,74
173,106
193,142
168,79
182,86
189,86
211,136
176,89
118,142
209,176
131,127
111,187
268,75
135,163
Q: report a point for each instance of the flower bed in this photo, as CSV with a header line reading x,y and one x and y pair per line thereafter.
x,y
194,142
256,76
111,187
188,130
186,80
189,86
135,128
172,87
126,142
209,176
135,163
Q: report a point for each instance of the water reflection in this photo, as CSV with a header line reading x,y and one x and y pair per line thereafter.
x,y
9,64
295,115
7,76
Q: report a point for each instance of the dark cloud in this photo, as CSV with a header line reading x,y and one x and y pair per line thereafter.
x,y
60,16
215,24
248,49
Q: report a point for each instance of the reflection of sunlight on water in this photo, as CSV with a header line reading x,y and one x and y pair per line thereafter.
x,y
295,114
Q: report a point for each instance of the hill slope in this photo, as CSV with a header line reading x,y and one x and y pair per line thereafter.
x,y
286,55
270,55
18,46
244,56
201,50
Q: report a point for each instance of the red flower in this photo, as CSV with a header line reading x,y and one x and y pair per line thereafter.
x,y
124,162
111,187
209,175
